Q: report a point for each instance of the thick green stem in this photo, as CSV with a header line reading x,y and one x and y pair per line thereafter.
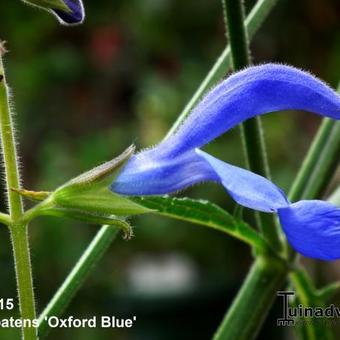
x,y
251,130
24,277
236,33
77,276
9,150
253,301
309,297
319,163
18,230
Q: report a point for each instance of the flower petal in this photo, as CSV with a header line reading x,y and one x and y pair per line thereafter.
x,y
149,174
313,228
245,187
173,165
143,176
254,91
76,15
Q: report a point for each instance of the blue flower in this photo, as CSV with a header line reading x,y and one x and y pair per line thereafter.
x,y
312,227
68,12
75,15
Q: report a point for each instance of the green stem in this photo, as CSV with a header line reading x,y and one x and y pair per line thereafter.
x,y
77,276
319,163
236,33
18,230
264,278
251,130
309,297
9,150
253,301
24,277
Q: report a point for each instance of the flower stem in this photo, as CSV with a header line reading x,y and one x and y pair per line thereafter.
x,y
319,164
18,230
77,276
9,150
253,301
223,63
251,130
24,277
236,33
309,297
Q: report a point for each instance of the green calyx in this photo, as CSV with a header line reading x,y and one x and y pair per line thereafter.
x,y
90,191
49,4
88,197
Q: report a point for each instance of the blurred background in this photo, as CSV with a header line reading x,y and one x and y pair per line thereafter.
x,y
83,94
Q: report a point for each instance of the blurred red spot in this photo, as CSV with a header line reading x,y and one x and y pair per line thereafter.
x,y
105,45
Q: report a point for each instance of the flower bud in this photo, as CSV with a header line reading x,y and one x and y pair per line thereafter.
x,y
68,12
91,192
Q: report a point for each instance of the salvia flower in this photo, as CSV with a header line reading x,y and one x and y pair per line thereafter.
x,y
68,12
312,227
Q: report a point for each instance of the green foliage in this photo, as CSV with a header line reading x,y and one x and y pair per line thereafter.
x,y
204,213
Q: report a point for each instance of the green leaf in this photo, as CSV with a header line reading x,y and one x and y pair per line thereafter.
x,y
204,213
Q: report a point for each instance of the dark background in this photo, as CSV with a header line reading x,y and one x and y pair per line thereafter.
x,y
83,94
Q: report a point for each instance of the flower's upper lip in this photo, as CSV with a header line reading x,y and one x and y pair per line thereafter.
x,y
172,164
